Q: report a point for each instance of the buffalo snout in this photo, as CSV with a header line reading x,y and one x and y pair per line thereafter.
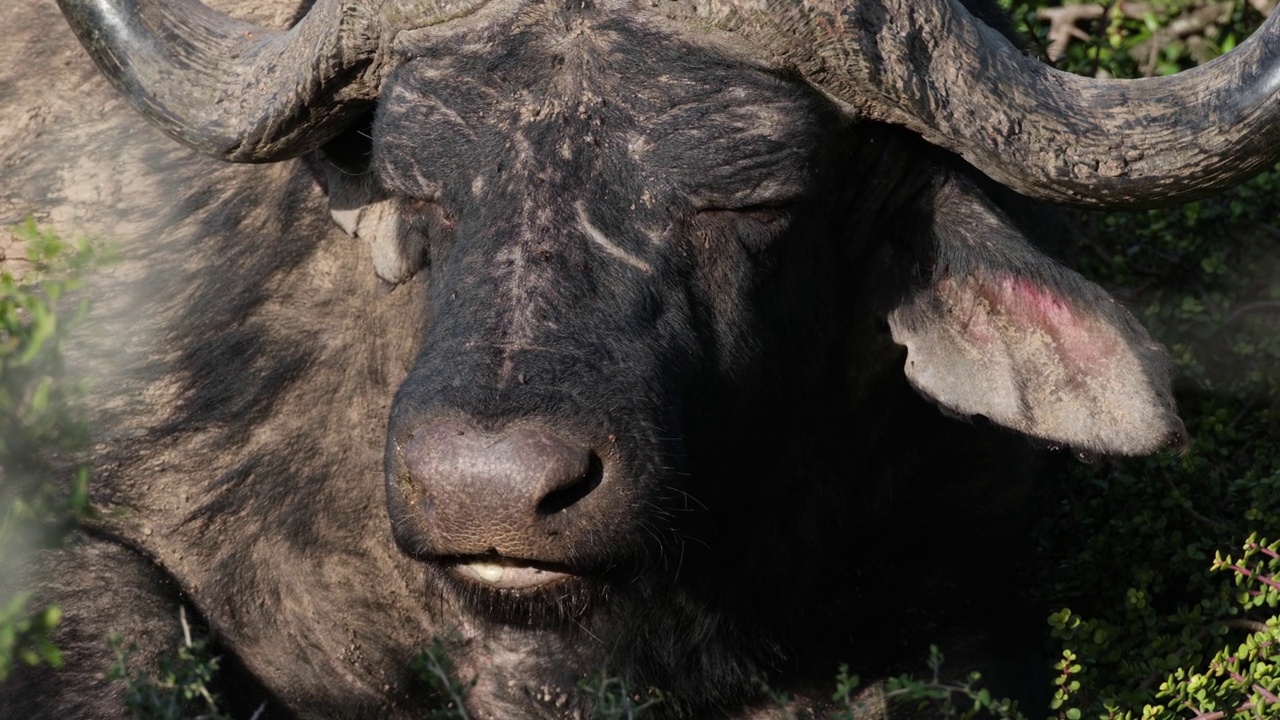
x,y
524,493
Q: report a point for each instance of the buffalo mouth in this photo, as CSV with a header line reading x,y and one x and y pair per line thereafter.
x,y
510,574
517,591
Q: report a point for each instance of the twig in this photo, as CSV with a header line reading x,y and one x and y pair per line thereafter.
x,y
1265,551
1253,307
1260,578
1270,229
1062,26
1252,626
1062,23
1192,23
1190,511
1264,6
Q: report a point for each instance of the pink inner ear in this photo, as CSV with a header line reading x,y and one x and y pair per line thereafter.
x,y
1021,292
1064,366
1084,344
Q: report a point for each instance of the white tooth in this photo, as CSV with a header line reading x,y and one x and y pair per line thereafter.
x,y
488,572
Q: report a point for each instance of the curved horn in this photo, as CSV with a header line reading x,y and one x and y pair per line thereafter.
x,y
932,67
230,89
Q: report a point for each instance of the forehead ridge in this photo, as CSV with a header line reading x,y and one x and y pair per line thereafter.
x,y
568,98
551,65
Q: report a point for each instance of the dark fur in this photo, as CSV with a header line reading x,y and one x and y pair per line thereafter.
x,y
791,503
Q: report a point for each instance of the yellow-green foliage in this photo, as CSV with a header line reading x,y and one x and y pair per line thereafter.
x,y
38,431
180,688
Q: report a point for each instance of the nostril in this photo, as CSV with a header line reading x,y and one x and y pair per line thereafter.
x,y
571,493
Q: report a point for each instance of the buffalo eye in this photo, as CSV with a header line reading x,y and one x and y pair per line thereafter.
x,y
755,229
426,221
426,216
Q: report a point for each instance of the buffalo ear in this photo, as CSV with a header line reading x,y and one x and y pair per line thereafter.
x,y
1003,331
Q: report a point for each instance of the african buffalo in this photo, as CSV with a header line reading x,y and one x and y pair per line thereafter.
x,y
631,387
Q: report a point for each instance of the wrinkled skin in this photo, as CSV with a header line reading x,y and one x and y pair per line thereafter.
x,y
687,265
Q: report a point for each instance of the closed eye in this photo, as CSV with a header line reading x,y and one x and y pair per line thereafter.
x,y
766,215
756,229
426,217
427,226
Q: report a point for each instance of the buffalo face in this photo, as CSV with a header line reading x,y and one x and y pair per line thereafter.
x,y
601,261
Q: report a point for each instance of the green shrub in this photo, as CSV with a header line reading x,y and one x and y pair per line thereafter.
x,y
435,670
1154,619
939,698
39,431
181,686
610,699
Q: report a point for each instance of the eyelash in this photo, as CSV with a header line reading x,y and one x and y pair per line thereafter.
x,y
754,229
765,215
427,217
429,222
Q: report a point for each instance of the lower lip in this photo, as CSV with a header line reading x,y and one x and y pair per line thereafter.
x,y
509,577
